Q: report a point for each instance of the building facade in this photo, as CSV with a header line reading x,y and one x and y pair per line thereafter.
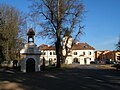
x,y
81,53
102,56
48,53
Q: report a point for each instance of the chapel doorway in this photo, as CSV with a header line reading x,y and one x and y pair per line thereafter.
x,y
30,65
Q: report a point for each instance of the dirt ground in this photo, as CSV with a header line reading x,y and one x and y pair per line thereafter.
x,y
77,77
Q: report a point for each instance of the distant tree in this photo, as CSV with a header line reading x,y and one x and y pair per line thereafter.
x,y
10,21
118,45
56,17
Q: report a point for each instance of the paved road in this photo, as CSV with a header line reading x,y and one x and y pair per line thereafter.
x,y
78,78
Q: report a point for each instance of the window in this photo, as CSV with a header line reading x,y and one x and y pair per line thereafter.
x,y
75,53
30,39
50,53
118,57
86,46
43,53
90,53
83,53
54,53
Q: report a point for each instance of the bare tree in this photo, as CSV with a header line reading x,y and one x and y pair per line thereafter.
x,y
118,45
56,18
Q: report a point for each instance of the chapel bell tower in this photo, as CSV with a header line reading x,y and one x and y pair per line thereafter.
x,y
30,54
30,35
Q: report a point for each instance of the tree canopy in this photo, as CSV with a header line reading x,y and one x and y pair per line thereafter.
x,y
10,38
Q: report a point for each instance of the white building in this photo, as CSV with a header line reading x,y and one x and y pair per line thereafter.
x,y
48,52
81,53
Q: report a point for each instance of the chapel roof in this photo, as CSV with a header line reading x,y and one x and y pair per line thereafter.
x,y
30,32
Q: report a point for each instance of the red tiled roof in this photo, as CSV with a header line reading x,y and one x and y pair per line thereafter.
x,y
46,47
78,46
82,46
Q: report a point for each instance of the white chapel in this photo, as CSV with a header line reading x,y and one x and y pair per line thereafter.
x,y
30,55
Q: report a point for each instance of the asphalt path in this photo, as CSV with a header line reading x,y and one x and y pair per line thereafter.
x,y
76,77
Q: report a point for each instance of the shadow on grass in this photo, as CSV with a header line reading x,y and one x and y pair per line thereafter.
x,y
61,79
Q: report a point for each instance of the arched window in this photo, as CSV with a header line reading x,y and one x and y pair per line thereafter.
x,y
75,60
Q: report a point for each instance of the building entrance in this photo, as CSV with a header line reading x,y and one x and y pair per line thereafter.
x,y
75,60
30,65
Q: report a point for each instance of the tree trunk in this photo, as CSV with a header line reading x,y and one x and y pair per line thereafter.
x,y
1,54
63,59
58,52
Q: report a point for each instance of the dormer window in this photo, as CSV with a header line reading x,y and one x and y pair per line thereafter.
x,y
86,46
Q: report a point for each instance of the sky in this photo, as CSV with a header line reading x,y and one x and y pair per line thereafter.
x,y
101,20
